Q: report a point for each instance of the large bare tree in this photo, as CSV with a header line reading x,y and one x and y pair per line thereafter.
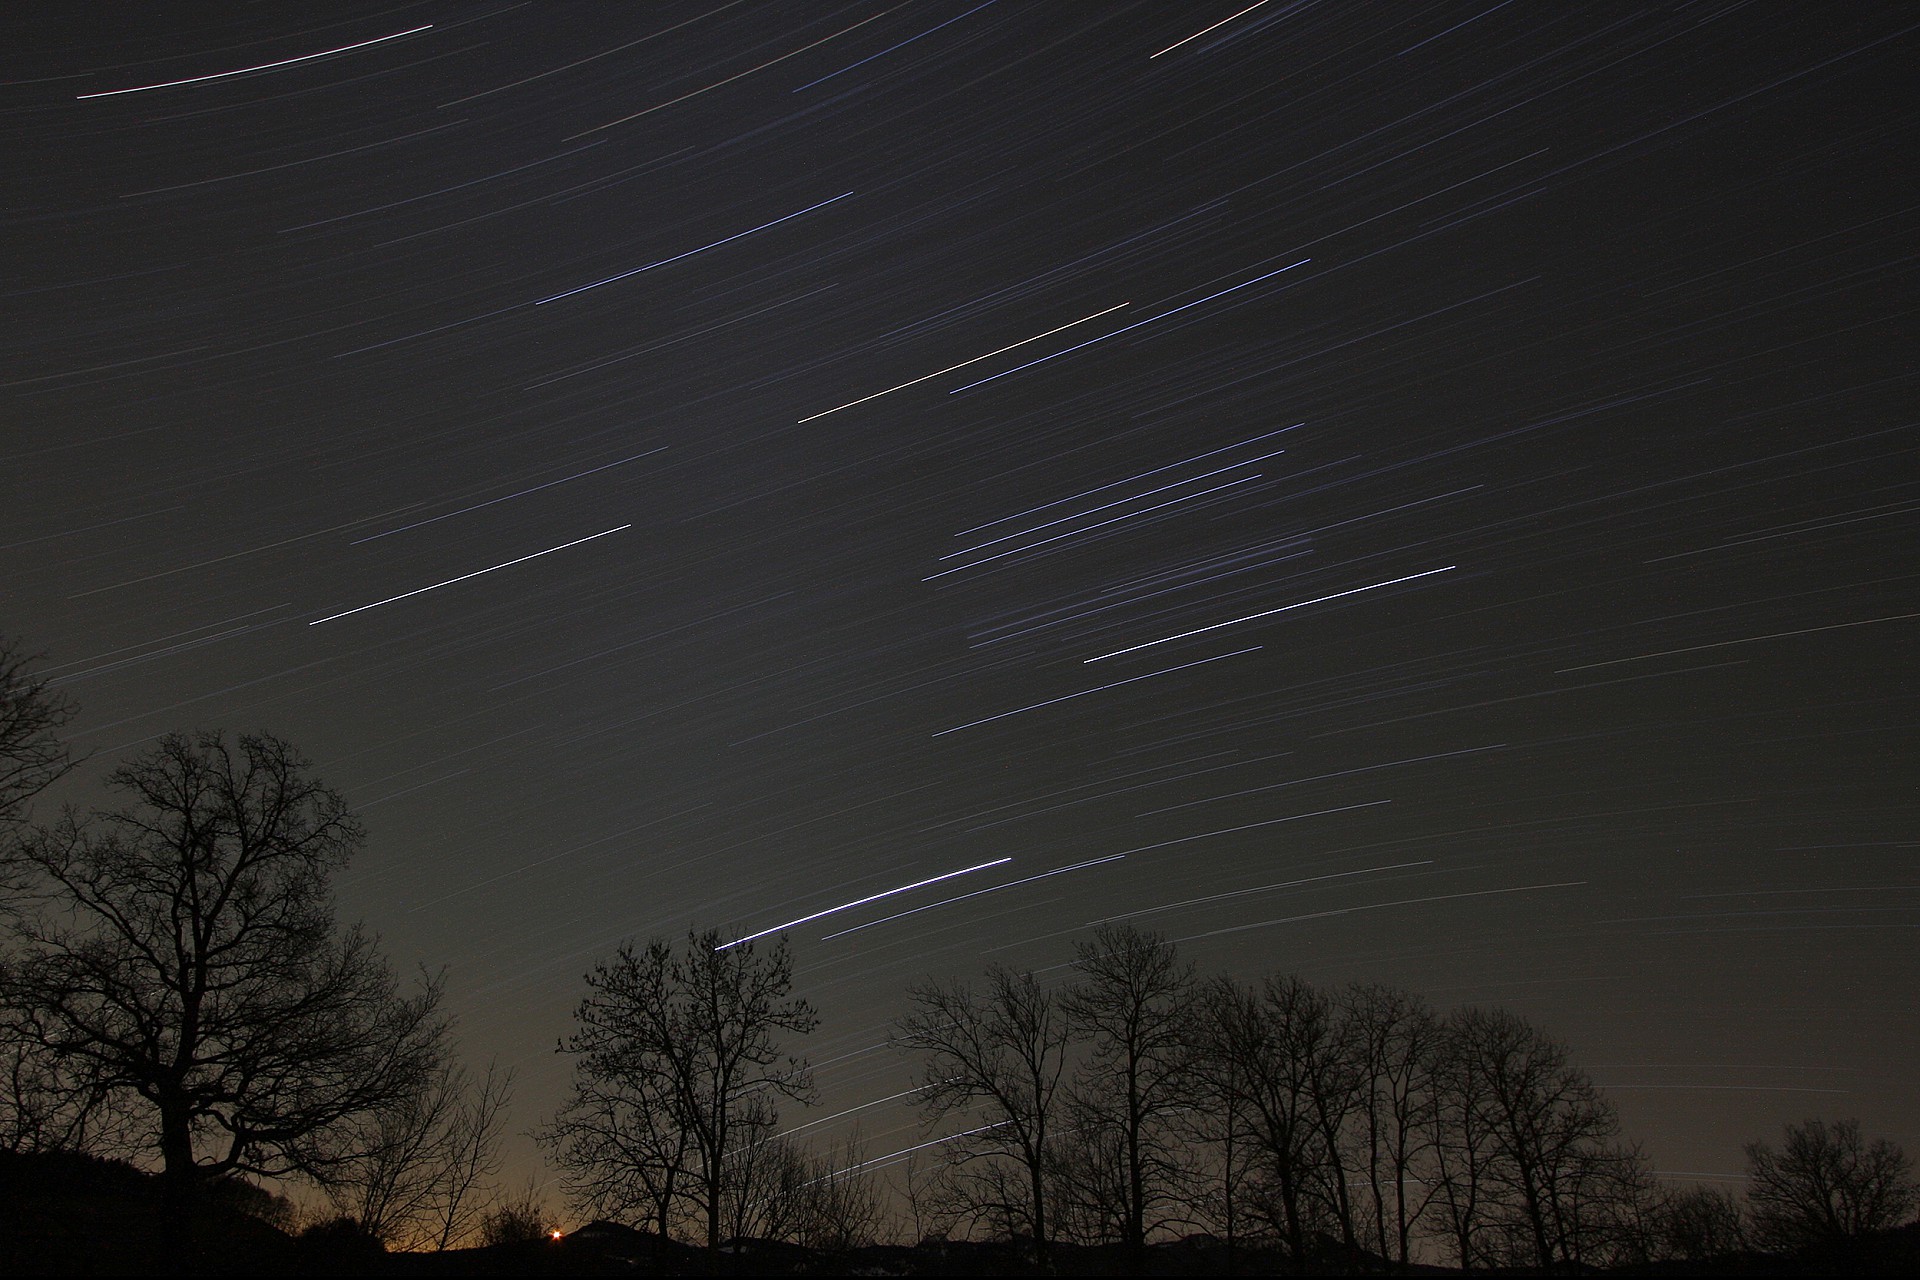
x,y
678,1067
180,955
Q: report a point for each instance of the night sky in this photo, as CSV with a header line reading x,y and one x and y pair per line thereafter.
x,y
1387,492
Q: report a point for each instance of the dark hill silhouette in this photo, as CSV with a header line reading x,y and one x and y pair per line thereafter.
x,y
65,1214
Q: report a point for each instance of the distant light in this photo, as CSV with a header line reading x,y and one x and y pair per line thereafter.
x,y
556,1234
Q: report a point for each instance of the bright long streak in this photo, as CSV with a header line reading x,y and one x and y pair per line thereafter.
x,y
1267,613
265,66
1068,697
901,915
689,253
1196,35
963,364
463,577
848,906
892,1097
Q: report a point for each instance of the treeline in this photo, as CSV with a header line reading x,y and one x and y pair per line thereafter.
x,y
1138,1101
176,990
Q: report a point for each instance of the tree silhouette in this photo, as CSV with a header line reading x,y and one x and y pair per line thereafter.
x,y
1827,1183
421,1175
996,1054
32,755
185,962
678,1068
1273,1057
1130,1005
1523,1144
1391,1036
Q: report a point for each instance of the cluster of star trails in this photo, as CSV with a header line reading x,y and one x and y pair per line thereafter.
x,y
1391,493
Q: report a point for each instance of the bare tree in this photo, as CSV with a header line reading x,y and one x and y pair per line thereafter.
x,y
1827,1183
1246,1057
184,960
45,1104
678,1067
1391,1036
996,1054
619,1146
1523,1144
841,1205
515,1218
1216,1123
1701,1223
1462,1147
1312,1033
421,1176
1130,1004
766,1190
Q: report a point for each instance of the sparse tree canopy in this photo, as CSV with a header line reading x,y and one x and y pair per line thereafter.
x,y
1827,1183
1250,1058
678,1067
32,755
1130,1004
1523,1144
997,1057
424,1164
184,961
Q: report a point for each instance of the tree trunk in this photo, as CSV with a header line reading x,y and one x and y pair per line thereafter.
x,y
1039,1216
177,1183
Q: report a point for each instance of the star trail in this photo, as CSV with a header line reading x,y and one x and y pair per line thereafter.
x,y
1406,493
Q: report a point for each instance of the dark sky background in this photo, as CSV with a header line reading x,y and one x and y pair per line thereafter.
x,y
1411,493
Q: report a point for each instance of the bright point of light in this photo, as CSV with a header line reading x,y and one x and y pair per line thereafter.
x,y
848,906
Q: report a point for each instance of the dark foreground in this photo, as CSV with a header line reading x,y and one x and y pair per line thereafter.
x,y
72,1216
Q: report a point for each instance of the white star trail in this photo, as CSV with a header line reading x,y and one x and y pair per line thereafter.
x,y
1267,613
963,364
861,902
505,564
264,66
